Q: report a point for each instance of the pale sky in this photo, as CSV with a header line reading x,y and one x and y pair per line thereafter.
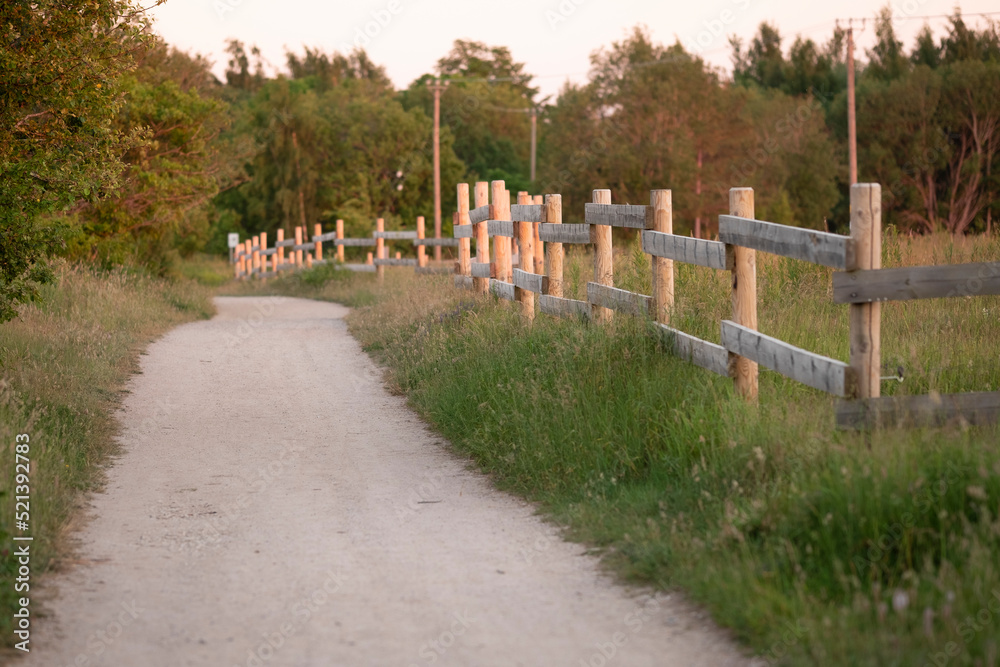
x,y
553,37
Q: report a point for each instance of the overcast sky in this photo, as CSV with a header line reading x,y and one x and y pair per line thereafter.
x,y
554,37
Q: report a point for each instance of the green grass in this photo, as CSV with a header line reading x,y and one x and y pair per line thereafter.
x,y
814,546
63,367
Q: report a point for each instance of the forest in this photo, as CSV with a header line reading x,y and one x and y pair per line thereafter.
x,y
118,149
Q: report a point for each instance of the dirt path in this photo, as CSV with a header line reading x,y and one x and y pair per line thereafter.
x,y
274,505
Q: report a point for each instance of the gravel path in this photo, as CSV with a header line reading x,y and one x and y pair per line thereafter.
x,y
274,505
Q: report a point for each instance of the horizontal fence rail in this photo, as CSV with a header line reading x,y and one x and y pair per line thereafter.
x,y
822,248
917,282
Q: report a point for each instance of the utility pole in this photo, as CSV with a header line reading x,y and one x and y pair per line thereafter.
x,y
534,134
852,129
437,88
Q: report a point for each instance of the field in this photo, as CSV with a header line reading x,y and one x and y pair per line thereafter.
x,y
791,533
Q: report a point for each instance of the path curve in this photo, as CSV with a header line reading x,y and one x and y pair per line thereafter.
x,y
275,505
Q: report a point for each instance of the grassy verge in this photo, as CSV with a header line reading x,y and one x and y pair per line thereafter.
x,y
814,546
63,366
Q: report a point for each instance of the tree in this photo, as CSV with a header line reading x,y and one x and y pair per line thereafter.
x,y
174,166
485,106
60,64
886,60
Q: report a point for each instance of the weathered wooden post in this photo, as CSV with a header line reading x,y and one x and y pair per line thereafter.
x,y
368,260
663,269
600,236
464,245
298,242
318,230
866,318
501,249
742,370
482,198
263,257
421,234
281,249
340,235
508,240
399,255
537,241
380,248
553,214
525,233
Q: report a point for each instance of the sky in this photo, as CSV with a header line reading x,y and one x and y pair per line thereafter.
x,y
553,37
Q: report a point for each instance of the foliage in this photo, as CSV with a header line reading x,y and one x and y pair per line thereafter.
x,y
60,65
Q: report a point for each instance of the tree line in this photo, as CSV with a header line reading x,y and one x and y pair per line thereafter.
x,y
117,148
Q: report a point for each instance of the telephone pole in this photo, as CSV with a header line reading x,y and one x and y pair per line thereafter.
x,y
437,87
534,123
852,129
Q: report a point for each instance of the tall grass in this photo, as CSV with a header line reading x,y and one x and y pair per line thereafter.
x,y
63,366
815,546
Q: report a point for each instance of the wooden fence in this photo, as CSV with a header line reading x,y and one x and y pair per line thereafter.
x,y
858,281
253,259
533,226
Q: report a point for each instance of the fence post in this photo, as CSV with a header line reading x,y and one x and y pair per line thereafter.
x,y
509,268
525,234
663,269
298,241
281,249
554,251
464,245
600,236
866,318
340,235
742,370
482,195
380,248
501,249
421,234
369,259
263,257
537,244
317,230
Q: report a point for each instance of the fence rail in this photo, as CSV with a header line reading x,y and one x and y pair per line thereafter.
x,y
526,263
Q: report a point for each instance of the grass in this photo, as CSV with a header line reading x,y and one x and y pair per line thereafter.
x,y
814,546
63,368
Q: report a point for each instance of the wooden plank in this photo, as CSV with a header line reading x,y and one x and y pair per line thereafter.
x,y
917,282
463,231
284,244
303,246
436,242
527,212
394,235
353,242
686,249
463,282
433,270
479,214
808,245
551,232
819,372
269,251
483,270
531,282
360,268
975,408
618,299
500,228
329,236
699,352
502,289
631,216
560,307
395,262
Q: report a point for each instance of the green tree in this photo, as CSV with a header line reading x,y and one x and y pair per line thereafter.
x,y
60,68
886,60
